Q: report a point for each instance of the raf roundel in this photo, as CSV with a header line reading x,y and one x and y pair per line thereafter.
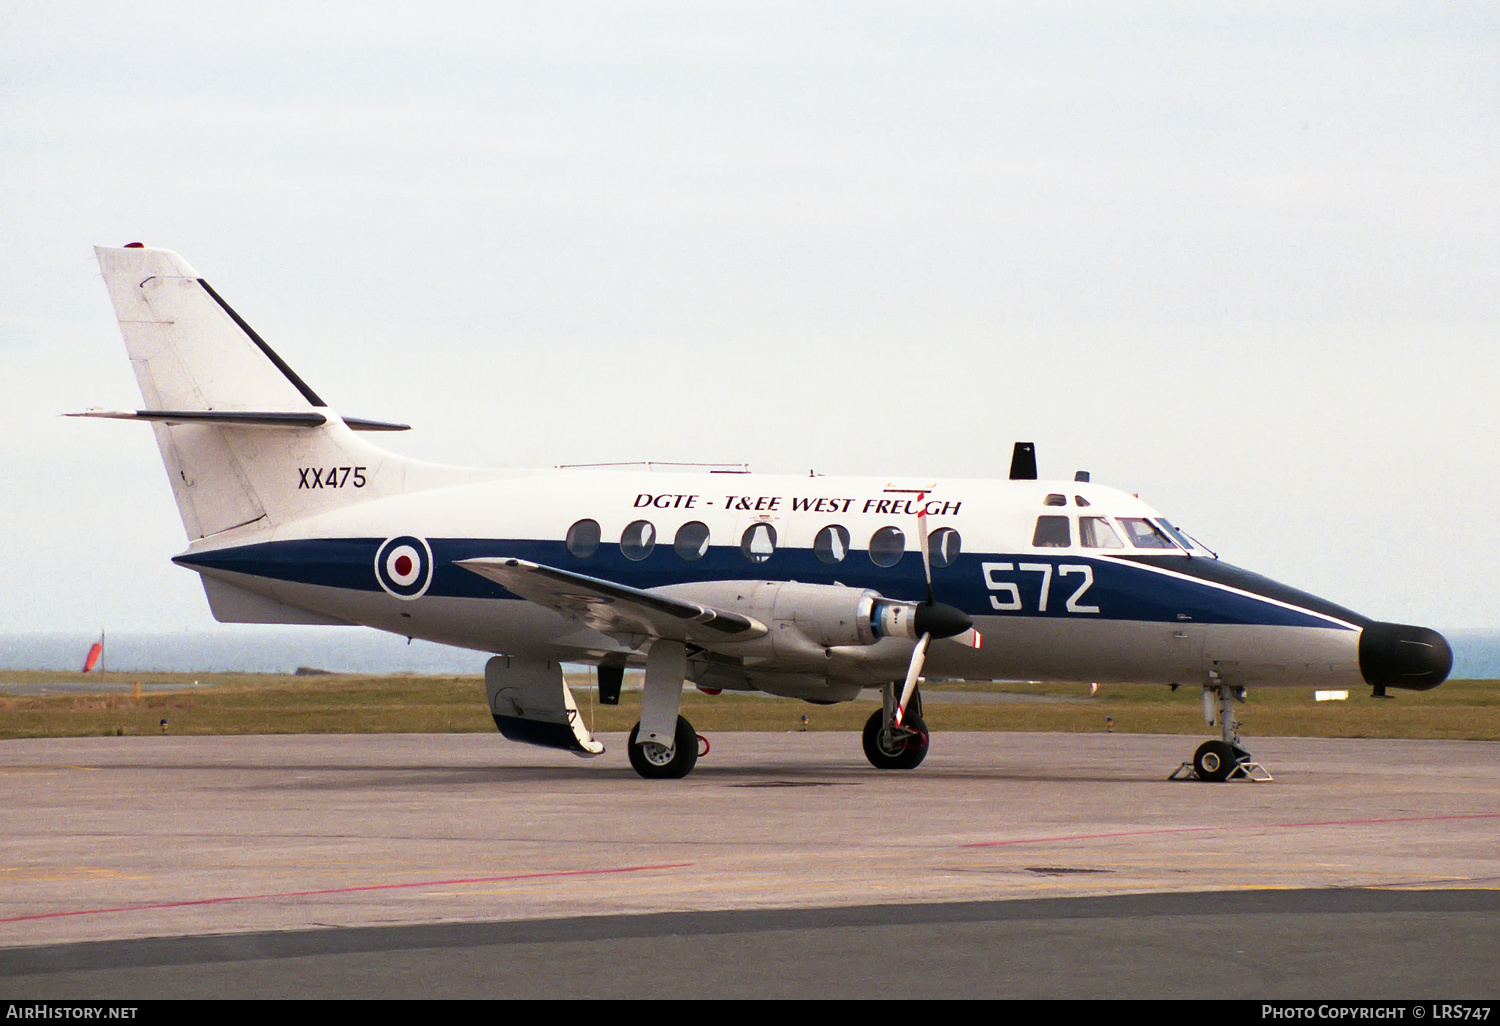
x,y
403,566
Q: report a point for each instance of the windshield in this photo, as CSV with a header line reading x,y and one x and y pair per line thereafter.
x,y
1143,534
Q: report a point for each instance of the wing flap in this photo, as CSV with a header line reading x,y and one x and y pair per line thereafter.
x,y
615,608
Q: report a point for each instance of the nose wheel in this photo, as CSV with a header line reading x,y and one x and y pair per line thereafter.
x,y
1217,760
1223,759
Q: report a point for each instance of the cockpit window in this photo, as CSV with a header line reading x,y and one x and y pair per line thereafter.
x,y
691,543
637,540
1095,533
831,544
1144,534
583,539
943,545
1177,536
1052,533
1081,501
887,546
1055,500
758,542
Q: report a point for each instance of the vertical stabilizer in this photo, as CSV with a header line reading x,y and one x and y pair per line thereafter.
x,y
189,350
192,353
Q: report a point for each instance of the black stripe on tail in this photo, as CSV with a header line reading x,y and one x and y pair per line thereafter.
x,y
291,375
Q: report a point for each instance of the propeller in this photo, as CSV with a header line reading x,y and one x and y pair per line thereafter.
x,y
932,620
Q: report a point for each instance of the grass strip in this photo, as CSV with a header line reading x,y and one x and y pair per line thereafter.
x,y
216,704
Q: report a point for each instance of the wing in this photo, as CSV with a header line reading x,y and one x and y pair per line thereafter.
x,y
615,608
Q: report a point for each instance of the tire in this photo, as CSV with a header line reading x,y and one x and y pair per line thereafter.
x,y
907,753
651,762
1215,761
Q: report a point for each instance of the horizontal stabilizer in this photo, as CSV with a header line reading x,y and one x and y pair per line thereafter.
x,y
243,418
361,424
615,608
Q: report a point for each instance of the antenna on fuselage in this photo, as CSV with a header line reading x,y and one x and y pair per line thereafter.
x,y
1023,462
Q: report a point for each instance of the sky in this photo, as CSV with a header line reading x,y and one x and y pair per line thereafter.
x,y
1241,259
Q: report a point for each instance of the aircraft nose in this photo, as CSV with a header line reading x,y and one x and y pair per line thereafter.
x,y
1401,656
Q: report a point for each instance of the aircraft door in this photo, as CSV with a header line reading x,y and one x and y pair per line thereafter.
x,y
1185,646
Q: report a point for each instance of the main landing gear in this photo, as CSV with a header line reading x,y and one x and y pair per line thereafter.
x,y
663,745
656,761
888,746
1223,759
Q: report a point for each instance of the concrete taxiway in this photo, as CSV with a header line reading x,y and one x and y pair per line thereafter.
x,y
113,839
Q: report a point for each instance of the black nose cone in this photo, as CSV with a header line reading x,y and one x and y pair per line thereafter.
x,y
1395,655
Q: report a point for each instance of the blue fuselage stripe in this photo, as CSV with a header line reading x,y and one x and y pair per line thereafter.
x,y
1165,589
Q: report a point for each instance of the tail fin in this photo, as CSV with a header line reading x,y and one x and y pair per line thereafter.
x,y
190,351
250,443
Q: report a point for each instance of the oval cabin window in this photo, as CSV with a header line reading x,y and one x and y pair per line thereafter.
x,y
943,545
831,545
583,539
638,540
887,546
691,543
758,542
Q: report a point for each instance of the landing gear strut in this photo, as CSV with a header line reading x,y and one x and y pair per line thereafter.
x,y
663,745
888,746
1224,759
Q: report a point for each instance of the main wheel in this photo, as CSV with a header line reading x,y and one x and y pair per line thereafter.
x,y
1215,761
655,762
886,751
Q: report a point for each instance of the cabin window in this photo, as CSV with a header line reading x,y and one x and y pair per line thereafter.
x,y
1095,533
831,545
638,540
1055,500
1052,533
691,543
1143,534
887,546
943,545
583,539
759,542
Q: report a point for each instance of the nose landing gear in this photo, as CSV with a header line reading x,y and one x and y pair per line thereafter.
x,y
1224,759
1217,760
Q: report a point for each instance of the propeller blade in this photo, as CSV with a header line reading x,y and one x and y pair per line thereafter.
x,y
969,638
926,545
918,657
931,619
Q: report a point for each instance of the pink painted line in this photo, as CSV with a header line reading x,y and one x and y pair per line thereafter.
x,y
346,890
1231,827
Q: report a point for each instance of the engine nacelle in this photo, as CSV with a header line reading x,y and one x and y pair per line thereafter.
x,y
806,620
829,616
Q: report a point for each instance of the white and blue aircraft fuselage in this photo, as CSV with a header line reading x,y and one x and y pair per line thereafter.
x,y
813,588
